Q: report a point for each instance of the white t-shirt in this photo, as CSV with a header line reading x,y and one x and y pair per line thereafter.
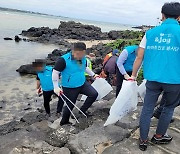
x,y
143,42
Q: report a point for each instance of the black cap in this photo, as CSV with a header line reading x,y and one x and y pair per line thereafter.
x,y
80,46
171,9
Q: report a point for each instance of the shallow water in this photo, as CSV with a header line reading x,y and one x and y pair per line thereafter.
x,y
19,91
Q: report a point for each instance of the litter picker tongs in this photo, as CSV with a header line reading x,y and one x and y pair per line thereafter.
x,y
63,95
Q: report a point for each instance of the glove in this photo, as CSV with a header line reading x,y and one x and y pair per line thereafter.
x,y
126,76
132,78
39,92
96,76
58,91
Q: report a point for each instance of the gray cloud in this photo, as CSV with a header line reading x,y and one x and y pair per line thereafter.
x,y
119,11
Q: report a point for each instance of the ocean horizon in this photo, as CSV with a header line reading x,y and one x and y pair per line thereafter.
x,y
103,25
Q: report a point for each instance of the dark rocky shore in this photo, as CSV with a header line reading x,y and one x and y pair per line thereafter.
x,y
73,30
34,134
77,31
99,50
143,27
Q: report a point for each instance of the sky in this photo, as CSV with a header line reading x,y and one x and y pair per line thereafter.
x,y
134,12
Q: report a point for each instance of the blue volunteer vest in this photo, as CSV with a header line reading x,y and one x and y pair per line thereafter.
x,y
73,75
128,65
162,53
46,79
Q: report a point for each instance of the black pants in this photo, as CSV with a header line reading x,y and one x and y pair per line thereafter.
x,y
72,94
110,78
119,80
47,98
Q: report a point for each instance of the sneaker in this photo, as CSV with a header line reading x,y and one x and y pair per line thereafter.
x,y
47,115
77,116
142,145
88,114
165,139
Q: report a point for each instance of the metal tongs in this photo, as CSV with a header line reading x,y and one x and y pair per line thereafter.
x,y
63,95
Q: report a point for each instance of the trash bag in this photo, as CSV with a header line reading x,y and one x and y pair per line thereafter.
x,y
125,102
142,89
102,87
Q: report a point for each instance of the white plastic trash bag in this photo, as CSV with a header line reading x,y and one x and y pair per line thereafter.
x,y
142,89
102,87
125,102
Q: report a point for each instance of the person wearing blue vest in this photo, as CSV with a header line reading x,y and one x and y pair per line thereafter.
x,y
72,67
45,85
160,52
125,65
